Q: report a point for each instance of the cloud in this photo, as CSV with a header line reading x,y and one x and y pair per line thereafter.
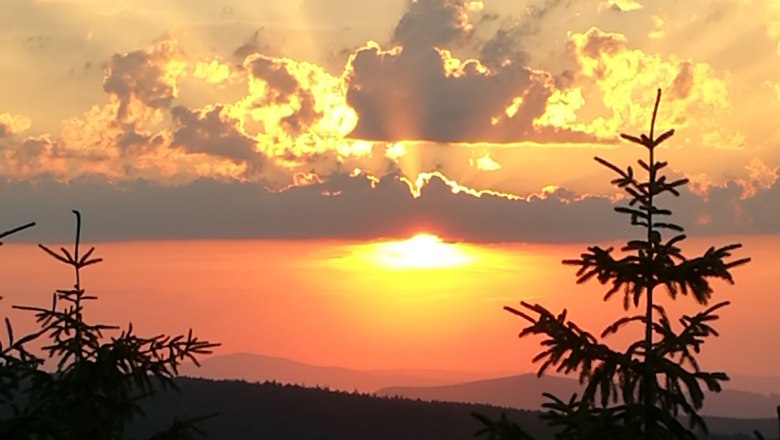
x,y
345,207
428,94
149,76
490,122
289,121
418,90
211,132
13,124
433,23
696,95
358,207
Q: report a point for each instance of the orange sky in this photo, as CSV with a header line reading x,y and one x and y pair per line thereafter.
x,y
335,303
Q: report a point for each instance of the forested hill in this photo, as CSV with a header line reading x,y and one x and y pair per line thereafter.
x,y
289,412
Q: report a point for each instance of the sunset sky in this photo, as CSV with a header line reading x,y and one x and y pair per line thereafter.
x,y
326,126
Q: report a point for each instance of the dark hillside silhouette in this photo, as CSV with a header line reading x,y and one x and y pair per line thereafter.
x,y
250,411
522,391
253,368
525,392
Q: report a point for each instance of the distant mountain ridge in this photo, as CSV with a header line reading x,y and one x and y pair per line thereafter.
x,y
525,392
259,368
522,391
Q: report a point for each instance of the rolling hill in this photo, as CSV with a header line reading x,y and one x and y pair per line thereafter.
x,y
274,411
258,368
759,398
525,392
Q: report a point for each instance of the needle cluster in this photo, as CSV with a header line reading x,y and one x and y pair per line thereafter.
x,y
642,391
97,382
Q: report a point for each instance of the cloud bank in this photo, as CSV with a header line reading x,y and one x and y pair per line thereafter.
x,y
452,92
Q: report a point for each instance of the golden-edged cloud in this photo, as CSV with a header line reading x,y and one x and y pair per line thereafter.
x,y
426,93
438,98
13,124
627,79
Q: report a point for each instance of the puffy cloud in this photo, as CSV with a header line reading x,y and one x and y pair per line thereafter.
x,y
149,76
211,132
21,155
428,94
627,79
278,122
12,124
760,177
289,120
504,46
432,23
418,90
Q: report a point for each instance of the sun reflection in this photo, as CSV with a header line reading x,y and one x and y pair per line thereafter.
x,y
423,250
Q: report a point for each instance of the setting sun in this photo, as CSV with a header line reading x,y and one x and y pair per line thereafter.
x,y
423,250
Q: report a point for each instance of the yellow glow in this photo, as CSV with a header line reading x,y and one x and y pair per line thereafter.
x,y
214,71
475,6
421,251
485,163
410,290
561,109
511,111
397,150
15,123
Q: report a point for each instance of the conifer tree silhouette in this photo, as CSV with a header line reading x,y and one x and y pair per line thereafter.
x,y
97,383
640,392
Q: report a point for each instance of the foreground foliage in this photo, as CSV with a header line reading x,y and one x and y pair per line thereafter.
x,y
69,381
639,392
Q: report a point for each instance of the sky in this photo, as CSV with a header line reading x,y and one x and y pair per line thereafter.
x,y
362,305
357,119
364,121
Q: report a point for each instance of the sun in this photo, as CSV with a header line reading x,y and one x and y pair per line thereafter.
x,y
423,250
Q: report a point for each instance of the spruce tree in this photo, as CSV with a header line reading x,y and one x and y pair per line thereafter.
x,y
639,392
94,384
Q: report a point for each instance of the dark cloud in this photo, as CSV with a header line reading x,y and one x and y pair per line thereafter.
x,y
502,47
510,41
208,208
141,75
432,23
282,86
213,133
351,207
409,95
280,81
421,92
